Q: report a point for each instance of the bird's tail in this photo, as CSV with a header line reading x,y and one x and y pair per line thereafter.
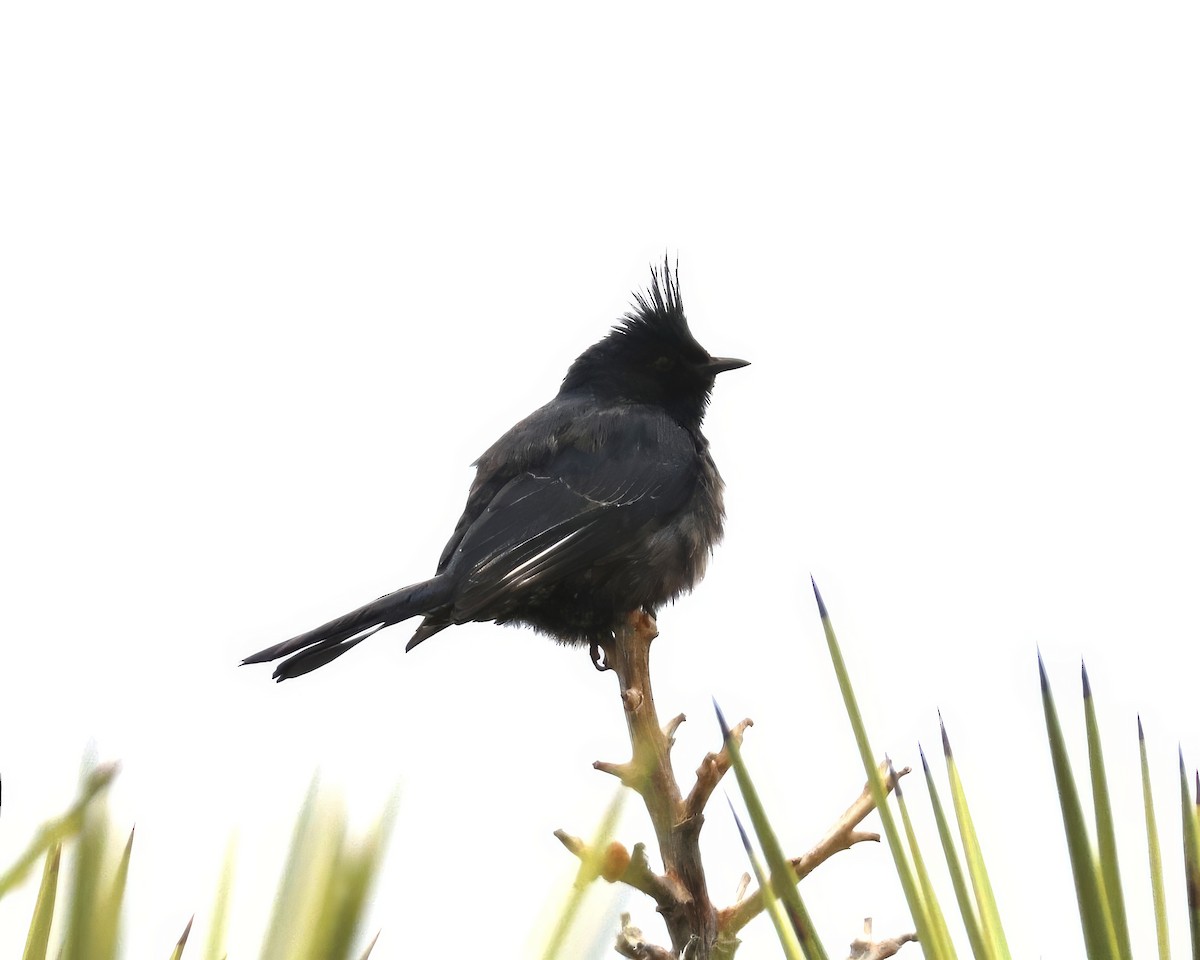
x,y
329,641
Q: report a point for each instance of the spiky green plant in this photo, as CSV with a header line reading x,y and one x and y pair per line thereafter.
x,y
324,885
318,911
1096,870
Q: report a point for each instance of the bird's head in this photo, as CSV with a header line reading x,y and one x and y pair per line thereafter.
x,y
651,357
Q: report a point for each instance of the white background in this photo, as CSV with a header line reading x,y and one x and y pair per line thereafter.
x,y
272,275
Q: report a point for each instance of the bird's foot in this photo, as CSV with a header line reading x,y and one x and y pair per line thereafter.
x,y
599,659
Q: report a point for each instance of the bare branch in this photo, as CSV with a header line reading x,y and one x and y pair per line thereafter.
x,y
672,726
630,943
631,869
627,773
712,768
681,892
864,948
841,836
572,843
697,930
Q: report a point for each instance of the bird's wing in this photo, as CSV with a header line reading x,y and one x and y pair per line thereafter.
x,y
578,508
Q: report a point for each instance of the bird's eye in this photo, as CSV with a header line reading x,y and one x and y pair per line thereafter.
x,y
664,363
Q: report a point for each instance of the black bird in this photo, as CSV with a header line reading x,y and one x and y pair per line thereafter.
x,y
600,503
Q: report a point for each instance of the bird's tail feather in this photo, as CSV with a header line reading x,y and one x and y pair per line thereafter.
x,y
329,641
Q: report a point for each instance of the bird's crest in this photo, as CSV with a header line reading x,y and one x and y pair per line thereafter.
x,y
623,364
658,310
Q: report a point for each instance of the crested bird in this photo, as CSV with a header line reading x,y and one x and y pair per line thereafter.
x,y
602,502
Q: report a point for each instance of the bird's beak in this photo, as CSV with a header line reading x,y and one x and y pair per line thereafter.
x,y
721,364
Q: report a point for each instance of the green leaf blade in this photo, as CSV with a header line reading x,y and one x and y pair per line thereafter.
x,y
980,948
1098,937
38,939
779,864
1154,850
908,880
1191,856
1106,836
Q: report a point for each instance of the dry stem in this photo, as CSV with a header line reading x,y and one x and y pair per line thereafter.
x,y
865,948
698,930
841,836
689,912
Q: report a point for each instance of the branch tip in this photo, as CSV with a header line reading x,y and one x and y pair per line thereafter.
x,y
625,772
673,725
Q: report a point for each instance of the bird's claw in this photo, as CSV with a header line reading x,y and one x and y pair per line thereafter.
x,y
599,660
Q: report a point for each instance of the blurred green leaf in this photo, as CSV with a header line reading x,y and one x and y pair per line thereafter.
x,y
62,828
214,948
295,873
106,918
86,934
323,890
38,938
589,870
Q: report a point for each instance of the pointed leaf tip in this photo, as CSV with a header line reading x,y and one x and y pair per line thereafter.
x,y
820,602
1141,735
1042,673
1087,687
924,762
738,821
721,720
945,738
